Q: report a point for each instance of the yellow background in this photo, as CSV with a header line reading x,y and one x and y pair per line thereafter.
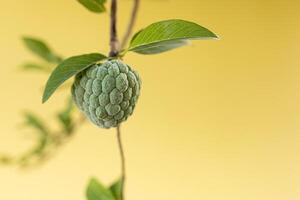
x,y
217,120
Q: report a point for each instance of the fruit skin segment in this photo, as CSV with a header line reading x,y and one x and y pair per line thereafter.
x,y
107,93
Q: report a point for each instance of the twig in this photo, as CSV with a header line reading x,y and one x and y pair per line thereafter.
x,y
114,51
123,167
58,139
131,23
114,43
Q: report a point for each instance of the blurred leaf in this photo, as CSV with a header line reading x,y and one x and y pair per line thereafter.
x,y
166,35
34,121
42,144
65,117
96,191
38,149
6,160
96,6
41,49
116,189
35,67
67,69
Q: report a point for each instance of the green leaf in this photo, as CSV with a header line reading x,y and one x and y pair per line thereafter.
x,y
166,35
65,117
35,67
41,145
6,159
96,6
96,191
41,49
116,189
67,69
34,121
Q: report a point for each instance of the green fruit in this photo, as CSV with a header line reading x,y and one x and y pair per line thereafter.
x,y
107,93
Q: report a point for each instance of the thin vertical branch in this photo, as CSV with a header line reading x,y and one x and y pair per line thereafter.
x,y
114,51
123,168
114,43
131,23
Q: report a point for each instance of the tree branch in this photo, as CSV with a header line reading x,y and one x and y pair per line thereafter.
x,y
131,23
114,43
114,51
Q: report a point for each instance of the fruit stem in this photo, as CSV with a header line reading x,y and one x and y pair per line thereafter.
x,y
122,154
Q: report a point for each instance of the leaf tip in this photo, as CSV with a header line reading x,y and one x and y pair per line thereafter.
x,y
215,36
24,37
27,38
44,98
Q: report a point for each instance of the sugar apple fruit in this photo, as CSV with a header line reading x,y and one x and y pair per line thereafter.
x,y
107,93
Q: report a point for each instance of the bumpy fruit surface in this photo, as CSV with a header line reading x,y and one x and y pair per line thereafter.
x,y
107,93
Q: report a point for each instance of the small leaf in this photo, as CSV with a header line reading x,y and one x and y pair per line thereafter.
x,y
41,145
41,49
96,191
166,35
116,189
96,6
35,67
67,69
6,159
34,121
65,117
